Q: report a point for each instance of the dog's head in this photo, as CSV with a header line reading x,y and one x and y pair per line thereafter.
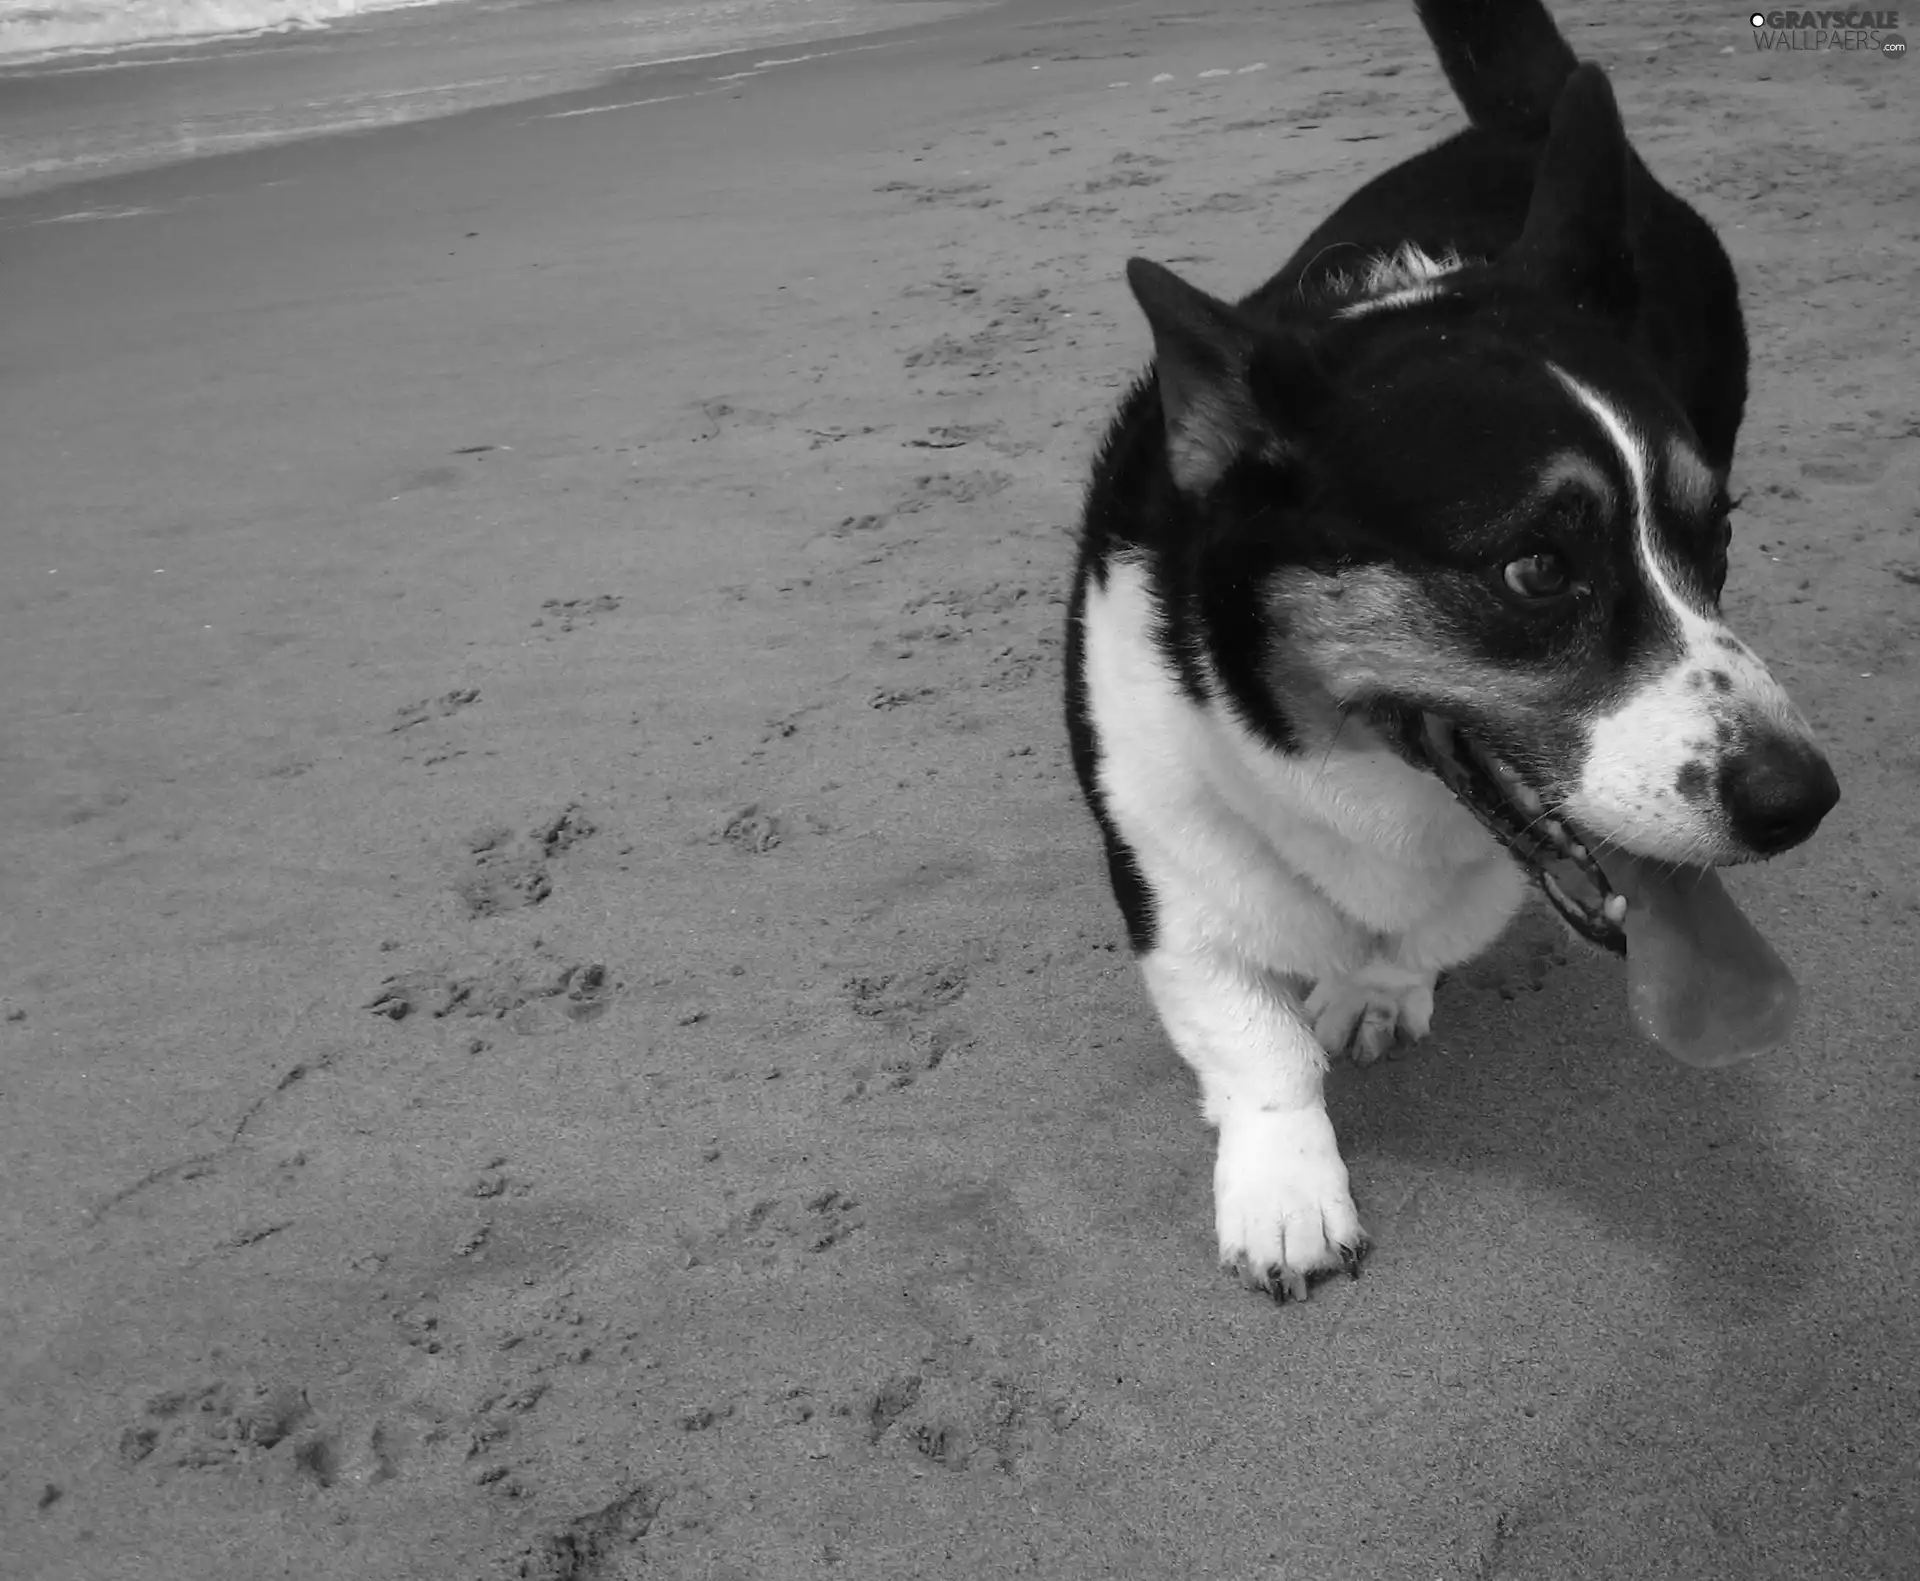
x,y
1465,507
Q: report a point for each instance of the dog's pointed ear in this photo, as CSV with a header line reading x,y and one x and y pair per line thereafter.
x,y
1203,355
1577,241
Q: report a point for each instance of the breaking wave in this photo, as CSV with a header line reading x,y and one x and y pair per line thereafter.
x,y
39,28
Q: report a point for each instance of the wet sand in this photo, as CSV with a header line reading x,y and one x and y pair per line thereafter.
x,y
561,1017
91,115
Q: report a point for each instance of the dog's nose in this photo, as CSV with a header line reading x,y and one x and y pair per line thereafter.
x,y
1776,791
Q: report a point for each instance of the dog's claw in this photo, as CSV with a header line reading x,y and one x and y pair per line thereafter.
x,y
1282,1284
1285,1286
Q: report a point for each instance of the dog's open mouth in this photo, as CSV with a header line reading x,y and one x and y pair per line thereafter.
x,y
1499,796
1701,982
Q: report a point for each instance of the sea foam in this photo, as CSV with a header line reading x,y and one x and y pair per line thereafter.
x,y
42,28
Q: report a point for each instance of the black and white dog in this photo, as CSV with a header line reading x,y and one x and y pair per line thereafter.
x,y
1399,587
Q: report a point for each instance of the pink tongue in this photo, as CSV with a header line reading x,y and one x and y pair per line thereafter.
x,y
1701,982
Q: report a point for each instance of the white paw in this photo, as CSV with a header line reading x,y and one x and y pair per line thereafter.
x,y
1280,1200
1368,1012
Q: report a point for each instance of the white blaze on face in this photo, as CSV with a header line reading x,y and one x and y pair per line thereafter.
x,y
1651,777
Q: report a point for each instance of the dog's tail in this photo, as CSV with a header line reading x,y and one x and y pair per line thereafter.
x,y
1505,59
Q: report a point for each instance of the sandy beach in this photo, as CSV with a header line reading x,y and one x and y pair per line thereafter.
x,y
560,1016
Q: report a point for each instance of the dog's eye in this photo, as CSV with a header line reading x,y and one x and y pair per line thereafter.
x,y
1538,576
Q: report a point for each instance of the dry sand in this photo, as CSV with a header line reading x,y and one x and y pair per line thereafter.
x,y
561,1015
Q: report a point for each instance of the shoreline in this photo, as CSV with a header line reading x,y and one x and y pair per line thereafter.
x,y
55,58
68,125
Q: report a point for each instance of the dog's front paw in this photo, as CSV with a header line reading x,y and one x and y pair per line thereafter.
x,y
1368,1012
1281,1205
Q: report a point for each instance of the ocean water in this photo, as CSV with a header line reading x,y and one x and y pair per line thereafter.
x,y
92,88
40,29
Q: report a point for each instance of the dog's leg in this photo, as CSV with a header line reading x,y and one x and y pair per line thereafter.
x,y
1389,1001
1282,1209
1364,1013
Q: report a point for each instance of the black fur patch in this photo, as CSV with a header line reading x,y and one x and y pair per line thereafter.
x,y
1130,889
1414,437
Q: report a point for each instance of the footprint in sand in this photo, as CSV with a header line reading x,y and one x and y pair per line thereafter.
x,y
913,1005
752,829
1015,667
584,1546
899,696
945,351
957,1423
922,1050
1122,178
959,488
505,876
957,194
531,994
773,1232
561,615
444,706
506,871
214,1425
